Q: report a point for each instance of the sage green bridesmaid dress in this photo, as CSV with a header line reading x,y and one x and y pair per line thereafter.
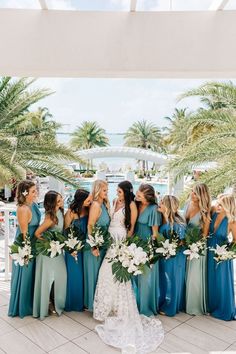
x,y
49,271
196,275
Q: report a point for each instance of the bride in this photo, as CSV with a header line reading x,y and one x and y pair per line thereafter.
x,y
114,302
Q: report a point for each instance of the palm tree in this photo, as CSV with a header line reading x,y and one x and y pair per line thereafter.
x,y
175,135
144,135
28,139
210,137
88,136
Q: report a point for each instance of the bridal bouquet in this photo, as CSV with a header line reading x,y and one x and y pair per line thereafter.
x,y
75,241
128,258
99,238
51,245
21,250
195,243
169,247
225,252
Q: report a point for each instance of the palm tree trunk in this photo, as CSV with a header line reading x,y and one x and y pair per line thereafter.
x,y
143,166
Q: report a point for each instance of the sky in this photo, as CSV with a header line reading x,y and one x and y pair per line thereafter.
x,y
116,103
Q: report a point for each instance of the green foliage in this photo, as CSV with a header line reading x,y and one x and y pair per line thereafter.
x,y
144,135
28,139
42,246
207,135
192,235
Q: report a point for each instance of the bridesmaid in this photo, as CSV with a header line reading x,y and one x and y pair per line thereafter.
x,y
98,215
22,280
50,275
172,270
76,215
221,300
197,212
146,286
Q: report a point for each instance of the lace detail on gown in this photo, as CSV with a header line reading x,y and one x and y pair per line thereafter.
x,y
115,304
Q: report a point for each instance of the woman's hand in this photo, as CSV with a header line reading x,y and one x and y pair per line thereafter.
x,y
95,252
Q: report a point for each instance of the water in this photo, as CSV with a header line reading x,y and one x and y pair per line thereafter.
x,y
112,187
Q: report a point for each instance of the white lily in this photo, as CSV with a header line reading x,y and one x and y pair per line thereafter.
x,y
71,242
55,247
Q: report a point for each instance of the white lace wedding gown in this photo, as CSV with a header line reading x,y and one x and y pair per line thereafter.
x,y
115,304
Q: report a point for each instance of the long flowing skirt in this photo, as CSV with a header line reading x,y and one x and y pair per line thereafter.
x,y
196,292
22,290
49,271
115,304
75,283
92,265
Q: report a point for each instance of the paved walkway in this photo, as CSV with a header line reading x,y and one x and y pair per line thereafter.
x,y
73,332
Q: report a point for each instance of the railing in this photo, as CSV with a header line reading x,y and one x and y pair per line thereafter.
x,y
8,225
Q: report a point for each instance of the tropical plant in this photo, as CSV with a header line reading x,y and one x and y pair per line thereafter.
x,y
88,136
145,135
210,137
28,139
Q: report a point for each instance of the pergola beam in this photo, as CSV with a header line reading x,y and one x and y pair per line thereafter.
x,y
218,5
133,4
43,4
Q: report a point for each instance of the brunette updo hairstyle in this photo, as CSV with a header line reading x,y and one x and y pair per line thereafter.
x,y
148,192
129,196
23,188
77,204
50,203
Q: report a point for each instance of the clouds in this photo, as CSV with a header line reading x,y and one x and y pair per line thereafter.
x,y
115,103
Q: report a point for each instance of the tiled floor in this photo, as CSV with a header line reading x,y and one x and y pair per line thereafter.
x,y
73,332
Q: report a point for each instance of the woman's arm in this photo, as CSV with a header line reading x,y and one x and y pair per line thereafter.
x,y
24,216
134,215
232,228
44,227
69,217
205,228
154,231
94,213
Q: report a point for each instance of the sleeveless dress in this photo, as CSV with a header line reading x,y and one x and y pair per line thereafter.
x,y
92,264
146,286
49,271
115,304
22,280
221,300
172,276
75,276
196,272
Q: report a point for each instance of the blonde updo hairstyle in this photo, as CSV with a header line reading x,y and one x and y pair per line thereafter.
x,y
228,203
204,201
172,215
22,191
96,190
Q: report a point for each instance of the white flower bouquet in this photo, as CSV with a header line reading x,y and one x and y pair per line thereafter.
x,y
21,250
128,258
99,238
75,241
51,245
224,252
167,247
194,242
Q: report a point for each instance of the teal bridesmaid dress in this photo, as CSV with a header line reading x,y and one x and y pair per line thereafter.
x,y
146,286
196,272
221,296
92,264
172,276
22,280
49,271
75,273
